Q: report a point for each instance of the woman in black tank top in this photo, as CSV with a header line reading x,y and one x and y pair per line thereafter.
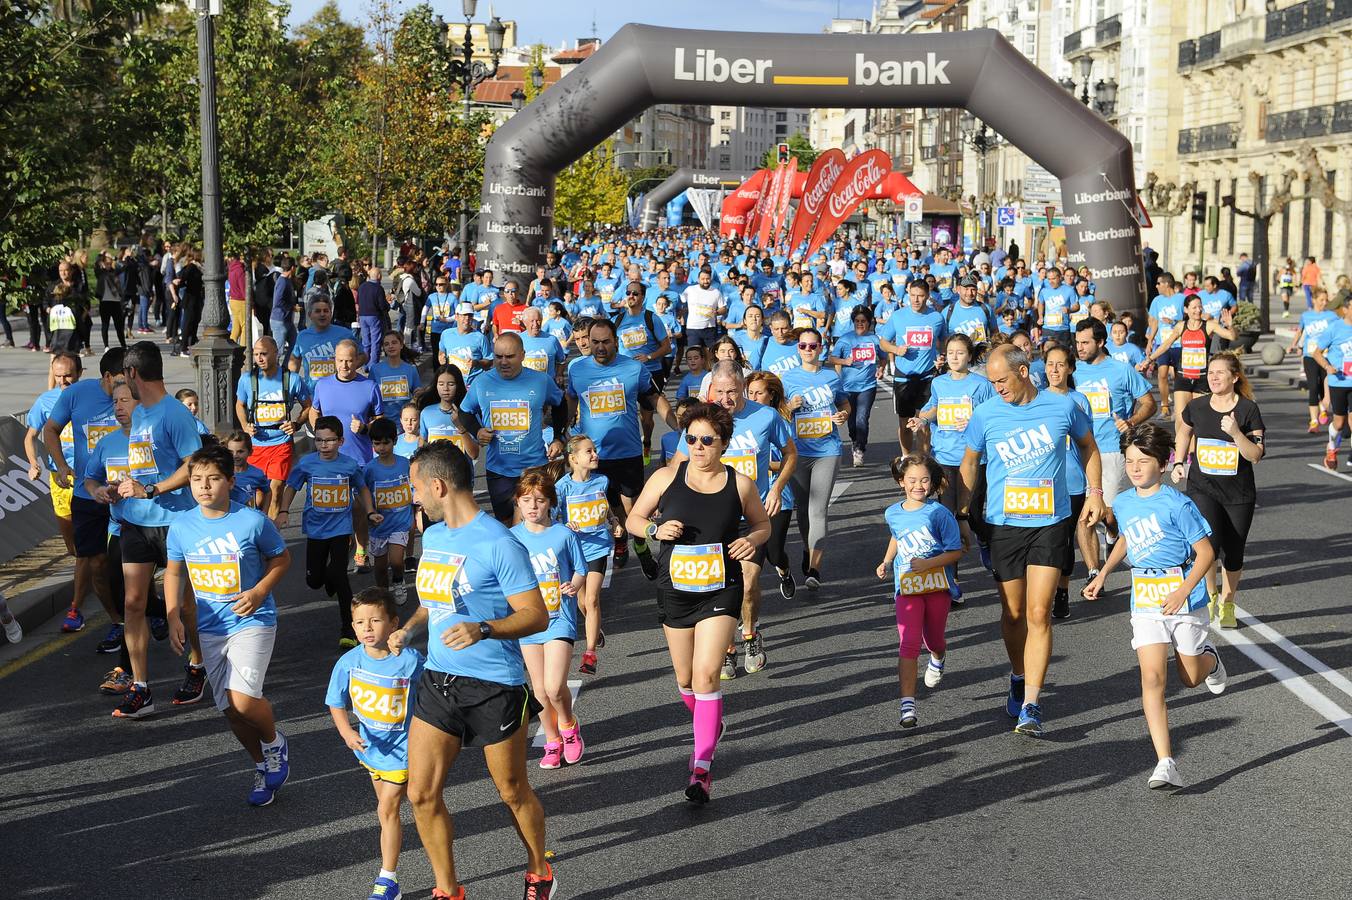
x,y
1195,332
694,511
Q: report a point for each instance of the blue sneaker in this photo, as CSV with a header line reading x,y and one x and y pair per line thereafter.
x,y
385,889
261,795
159,627
112,641
1030,720
985,554
1014,699
277,761
73,621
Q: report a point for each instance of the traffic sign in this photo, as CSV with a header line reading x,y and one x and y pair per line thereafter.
x,y
1040,187
1004,216
914,205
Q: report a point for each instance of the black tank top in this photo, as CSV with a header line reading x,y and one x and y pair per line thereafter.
x,y
697,562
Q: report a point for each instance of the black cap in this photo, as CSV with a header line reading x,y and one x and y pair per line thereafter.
x,y
968,281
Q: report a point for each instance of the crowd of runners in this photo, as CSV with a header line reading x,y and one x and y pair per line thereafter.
x,y
508,477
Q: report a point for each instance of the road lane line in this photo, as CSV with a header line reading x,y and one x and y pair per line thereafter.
x,y
1290,680
1333,677
1320,468
574,688
42,650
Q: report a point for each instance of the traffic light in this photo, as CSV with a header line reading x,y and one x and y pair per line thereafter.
x,y
783,153
1199,207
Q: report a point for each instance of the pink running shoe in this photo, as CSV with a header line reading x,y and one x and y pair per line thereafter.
x,y
573,745
697,792
553,757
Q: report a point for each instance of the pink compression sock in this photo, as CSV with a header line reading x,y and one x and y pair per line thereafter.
x,y
688,698
708,719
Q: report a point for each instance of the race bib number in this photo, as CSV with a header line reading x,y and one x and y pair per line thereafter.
x,y
68,436
606,401
813,425
1193,359
393,494
549,591
509,416
1347,368
952,415
330,493
213,576
1217,457
393,387
437,574
379,701
1029,498
269,413
866,353
744,463
633,338
321,367
976,331
697,568
141,456
801,319
1151,587
442,433
462,361
933,581
1053,319
94,432
115,469
588,511
536,360
922,338
1099,404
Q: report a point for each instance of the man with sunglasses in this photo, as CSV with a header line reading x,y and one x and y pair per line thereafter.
x,y
507,314
643,338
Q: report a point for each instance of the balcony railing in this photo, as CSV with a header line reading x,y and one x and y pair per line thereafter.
x,y
1313,121
1209,138
929,152
1208,47
1108,31
1187,54
1307,16
1072,42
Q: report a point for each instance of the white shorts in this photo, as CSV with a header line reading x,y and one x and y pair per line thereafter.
x,y
1188,632
1114,476
379,546
237,662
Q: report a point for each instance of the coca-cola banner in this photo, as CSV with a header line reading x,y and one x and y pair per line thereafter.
x,y
769,201
859,177
782,203
739,205
824,172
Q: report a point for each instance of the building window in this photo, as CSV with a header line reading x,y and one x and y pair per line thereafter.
x,y
781,117
1328,221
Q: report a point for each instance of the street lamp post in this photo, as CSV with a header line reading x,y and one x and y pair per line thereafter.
x,y
215,356
982,140
467,73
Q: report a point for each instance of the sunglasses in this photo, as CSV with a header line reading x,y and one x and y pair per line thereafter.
x,y
705,439
632,294
805,345
509,290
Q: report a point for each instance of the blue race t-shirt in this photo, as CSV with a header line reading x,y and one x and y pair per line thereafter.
x,y
1112,389
921,534
1128,353
407,444
1166,311
359,398
1025,457
1312,325
1160,530
108,465
272,408
753,348
779,359
89,411
392,493
247,482
544,353
556,556
514,410
920,334
162,437
862,352
37,418
396,385
223,557
1056,304
332,486
608,403
315,350
464,350
1336,342
583,505
635,337
953,401
976,321
466,574
381,694
813,431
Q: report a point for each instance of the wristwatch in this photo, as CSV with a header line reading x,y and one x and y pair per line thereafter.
x,y
650,533
151,491
485,631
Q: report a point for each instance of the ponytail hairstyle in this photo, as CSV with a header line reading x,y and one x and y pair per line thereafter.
x,y
938,481
1231,359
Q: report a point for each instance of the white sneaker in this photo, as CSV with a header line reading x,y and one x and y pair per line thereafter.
x,y
1216,681
934,674
858,458
1165,775
13,630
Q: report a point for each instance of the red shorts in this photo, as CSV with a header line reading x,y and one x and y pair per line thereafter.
x,y
275,461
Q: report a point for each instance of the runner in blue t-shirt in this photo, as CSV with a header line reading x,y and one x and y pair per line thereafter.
x,y
1055,303
1333,354
780,353
265,405
65,370
391,511
394,376
858,357
251,485
1022,434
313,355
465,346
543,351
912,336
478,596
1313,323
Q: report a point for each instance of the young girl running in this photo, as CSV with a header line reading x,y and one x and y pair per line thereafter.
x,y
923,548
556,555
767,390
439,417
1168,544
582,506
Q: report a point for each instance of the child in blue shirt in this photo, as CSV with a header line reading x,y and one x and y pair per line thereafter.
x,y
251,485
386,480
410,436
378,687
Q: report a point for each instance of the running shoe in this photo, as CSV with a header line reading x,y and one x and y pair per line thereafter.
x,y
112,641
553,757
814,579
261,795
1014,699
701,783
646,561
588,666
75,621
621,553
1090,576
985,553
1323,416
858,458
934,672
346,643
573,745
1213,606
1286,314
957,599
194,686
1030,720
754,648
136,704
13,630
400,591
647,457
1061,604
361,563
116,682
539,887
277,762
788,588
1314,427
1165,775
908,717
159,627
438,894
1227,614
1216,681
1330,462
385,889
729,670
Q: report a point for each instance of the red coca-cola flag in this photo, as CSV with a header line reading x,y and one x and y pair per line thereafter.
x,y
753,214
782,202
824,172
860,176
738,205
769,200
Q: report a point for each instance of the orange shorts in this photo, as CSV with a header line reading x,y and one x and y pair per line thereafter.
x,y
275,461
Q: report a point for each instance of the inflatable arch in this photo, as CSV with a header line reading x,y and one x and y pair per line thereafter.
x,y
678,183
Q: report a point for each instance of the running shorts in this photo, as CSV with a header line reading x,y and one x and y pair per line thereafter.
x,y
1191,385
1015,548
393,776
560,629
90,519
380,546
61,497
1340,400
625,476
275,461
1169,358
677,609
1187,631
502,494
477,712
909,396
144,544
1114,476
237,662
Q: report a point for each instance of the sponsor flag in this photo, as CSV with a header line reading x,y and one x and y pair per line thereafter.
x,y
859,177
769,199
740,204
782,202
824,172
702,201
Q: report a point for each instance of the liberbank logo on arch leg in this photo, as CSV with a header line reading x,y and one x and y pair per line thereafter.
x,y
704,64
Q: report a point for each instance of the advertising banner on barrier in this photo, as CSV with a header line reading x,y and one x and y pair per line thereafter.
x,y
860,176
26,516
824,172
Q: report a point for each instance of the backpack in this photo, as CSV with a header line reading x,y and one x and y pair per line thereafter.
x,y
649,321
253,401
991,325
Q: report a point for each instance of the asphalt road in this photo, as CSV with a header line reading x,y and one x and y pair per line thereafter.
x,y
817,791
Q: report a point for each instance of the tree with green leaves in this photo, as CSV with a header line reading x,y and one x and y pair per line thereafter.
x,y
799,146
591,191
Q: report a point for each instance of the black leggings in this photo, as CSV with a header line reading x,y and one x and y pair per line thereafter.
x,y
1230,524
775,553
1314,380
326,567
111,311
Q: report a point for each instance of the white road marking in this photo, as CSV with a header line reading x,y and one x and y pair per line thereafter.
x,y
1318,467
836,490
574,688
1332,676
1290,680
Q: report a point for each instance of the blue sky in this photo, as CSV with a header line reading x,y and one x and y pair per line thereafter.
x,y
555,21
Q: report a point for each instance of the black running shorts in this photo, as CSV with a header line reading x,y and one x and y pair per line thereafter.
x,y
478,712
1014,548
144,544
90,521
909,396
